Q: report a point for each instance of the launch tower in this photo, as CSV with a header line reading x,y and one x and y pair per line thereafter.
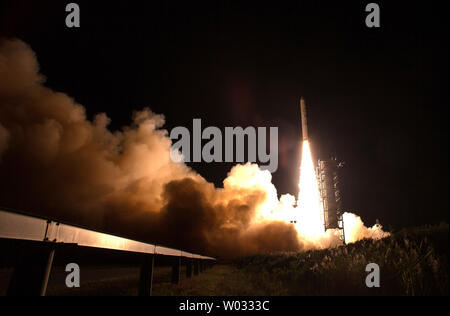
x,y
330,194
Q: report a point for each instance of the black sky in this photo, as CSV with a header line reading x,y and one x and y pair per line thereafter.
x,y
377,98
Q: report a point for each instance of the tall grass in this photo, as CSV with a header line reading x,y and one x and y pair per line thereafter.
x,y
412,262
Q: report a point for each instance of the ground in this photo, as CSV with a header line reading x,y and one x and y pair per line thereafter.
x,y
412,262
220,280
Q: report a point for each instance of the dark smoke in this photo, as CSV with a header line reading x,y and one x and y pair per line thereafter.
x,y
54,162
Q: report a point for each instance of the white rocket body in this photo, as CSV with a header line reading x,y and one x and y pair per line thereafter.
x,y
304,119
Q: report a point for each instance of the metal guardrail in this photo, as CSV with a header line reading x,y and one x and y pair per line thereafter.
x,y
25,227
18,226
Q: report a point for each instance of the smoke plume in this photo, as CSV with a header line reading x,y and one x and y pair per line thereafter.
x,y
55,162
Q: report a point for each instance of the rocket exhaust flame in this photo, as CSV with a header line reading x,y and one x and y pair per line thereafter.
x,y
311,221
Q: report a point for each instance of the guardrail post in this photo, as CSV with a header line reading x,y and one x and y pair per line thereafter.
x,y
146,276
48,270
176,270
188,267
32,272
196,266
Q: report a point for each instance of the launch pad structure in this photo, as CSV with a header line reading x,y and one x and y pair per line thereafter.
x,y
330,194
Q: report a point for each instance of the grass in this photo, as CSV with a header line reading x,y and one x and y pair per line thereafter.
x,y
221,280
412,262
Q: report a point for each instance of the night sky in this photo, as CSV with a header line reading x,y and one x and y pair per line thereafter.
x,y
376,98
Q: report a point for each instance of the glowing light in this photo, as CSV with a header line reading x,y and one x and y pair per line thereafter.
x,y
307,215
310,210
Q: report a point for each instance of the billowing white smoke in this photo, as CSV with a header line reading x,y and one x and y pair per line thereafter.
x,y
284,210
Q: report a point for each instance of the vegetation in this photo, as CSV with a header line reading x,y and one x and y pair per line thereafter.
x,y
412,262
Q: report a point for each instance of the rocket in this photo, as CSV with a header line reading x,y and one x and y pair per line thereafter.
x,y
304,119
